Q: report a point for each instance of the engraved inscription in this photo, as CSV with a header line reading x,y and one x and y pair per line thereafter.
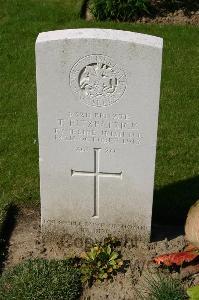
x,y
114,128
96,174
99,227
97,80
88,149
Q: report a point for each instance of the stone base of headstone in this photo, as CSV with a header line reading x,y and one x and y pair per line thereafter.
x,y
91,233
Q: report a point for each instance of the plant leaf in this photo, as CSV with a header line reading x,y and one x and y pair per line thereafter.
x,y
114,255
92,254
108,250
176,258
193,292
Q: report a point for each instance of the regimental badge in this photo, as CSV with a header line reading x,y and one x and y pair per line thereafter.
x,y
97,80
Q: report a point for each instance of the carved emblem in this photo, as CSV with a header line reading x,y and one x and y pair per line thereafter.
x,y
97,80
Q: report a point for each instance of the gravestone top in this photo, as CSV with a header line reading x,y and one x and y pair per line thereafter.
x,y
98,101
112,34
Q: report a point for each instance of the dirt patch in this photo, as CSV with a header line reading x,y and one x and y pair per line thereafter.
x,y
178,17
26,242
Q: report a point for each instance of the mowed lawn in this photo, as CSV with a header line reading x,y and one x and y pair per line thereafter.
x,y
177,164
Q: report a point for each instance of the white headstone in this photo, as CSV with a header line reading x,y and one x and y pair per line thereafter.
x,y
98,98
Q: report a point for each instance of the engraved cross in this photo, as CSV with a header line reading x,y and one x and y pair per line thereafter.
x,y
96,174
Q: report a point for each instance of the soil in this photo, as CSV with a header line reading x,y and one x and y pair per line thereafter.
x,y
178,17
26,243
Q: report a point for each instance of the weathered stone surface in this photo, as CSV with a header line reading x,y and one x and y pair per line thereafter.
x,y
98,97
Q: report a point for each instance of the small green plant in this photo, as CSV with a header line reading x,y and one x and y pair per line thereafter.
x,y
163,287
101,262
119,10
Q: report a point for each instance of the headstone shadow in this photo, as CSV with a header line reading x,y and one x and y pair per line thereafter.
x,y
171,205
5,234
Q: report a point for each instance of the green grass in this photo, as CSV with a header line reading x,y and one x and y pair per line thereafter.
x,y
162,287
20,23
41,279
177,167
